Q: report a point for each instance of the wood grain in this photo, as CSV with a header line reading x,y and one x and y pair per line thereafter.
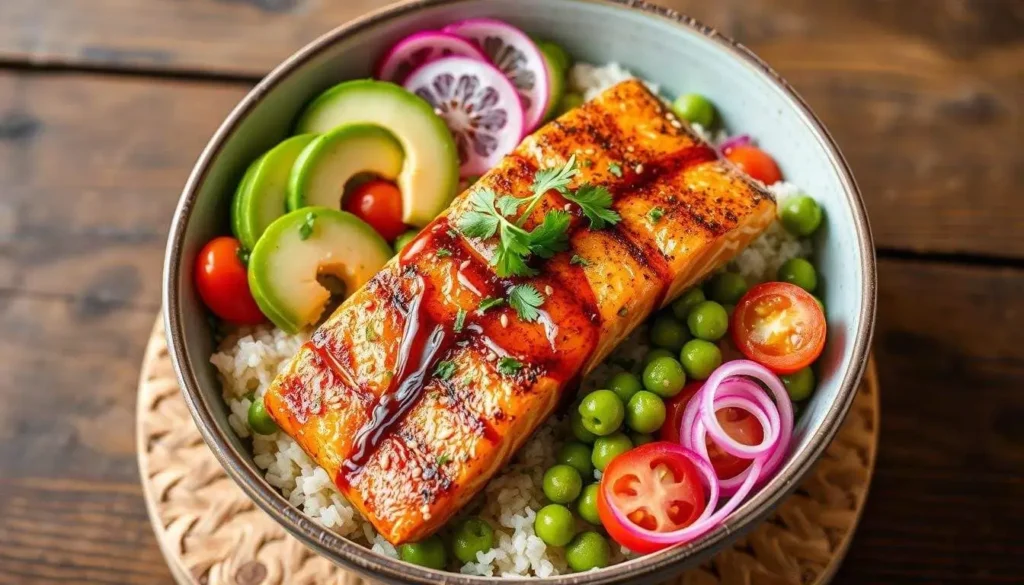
x,y
923,96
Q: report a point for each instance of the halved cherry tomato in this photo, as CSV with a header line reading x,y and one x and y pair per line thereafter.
x,y
756,163
223,283
656,487
737,423
780,326
378,203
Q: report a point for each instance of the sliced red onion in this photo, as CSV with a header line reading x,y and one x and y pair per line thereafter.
x,y
421,48
732,142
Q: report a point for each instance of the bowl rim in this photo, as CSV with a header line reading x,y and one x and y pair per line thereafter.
x,y
346,553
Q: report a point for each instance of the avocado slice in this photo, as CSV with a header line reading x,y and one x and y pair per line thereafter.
x,y
261,195
303,244
327,163
430,175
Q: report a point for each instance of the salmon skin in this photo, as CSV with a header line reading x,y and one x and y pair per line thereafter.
x,y
412,397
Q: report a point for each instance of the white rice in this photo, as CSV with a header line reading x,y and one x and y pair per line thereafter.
x,y
249,358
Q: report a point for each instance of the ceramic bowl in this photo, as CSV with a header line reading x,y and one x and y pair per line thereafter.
x,y
655,43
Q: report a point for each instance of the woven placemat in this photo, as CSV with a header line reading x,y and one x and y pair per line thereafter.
x,y
211,533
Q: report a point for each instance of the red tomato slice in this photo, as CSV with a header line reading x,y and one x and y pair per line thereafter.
x,y
656,487
780,326
378,203
223,283
737,423
756,163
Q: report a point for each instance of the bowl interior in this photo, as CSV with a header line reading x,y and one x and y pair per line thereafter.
x,y
680,59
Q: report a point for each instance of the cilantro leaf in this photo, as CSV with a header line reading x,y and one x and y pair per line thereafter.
x,y
551,236
509,366
615,169
555,178
578,260
655,214
489,303
443,252
481,221
525,299
508,205
595,202
444,370
442,459
460,320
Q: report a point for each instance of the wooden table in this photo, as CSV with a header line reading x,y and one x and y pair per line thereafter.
x,y
105,104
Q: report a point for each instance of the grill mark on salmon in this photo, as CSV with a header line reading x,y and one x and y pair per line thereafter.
x,y
409,454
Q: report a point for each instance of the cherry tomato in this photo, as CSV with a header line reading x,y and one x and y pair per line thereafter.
x,y
656,487
737,423
378,203
756,163
780,326
223,283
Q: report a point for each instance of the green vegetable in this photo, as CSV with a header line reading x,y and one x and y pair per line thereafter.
x,y
460,320
608,448
727,288
487,304
562,483
403,240
708,321
800,215
577,455
615,169
655,214
595,202
641,438
509,366
665,377
587,551
526,299
799,272
586,506
694,108
645,412
472,536
657,353
700,358
557,53
578,430
554,525
624,385
682,306
259,419
668,333
578,260
569,101
444,369
425,553
602,412
799,384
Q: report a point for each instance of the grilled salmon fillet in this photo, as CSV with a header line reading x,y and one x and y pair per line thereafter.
x,y
412,398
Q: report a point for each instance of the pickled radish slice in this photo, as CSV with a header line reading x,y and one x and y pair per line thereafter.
x,y
479,105
517,56
421,48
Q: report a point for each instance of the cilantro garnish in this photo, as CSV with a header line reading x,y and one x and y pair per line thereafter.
x,y
596,203
460,320
655,214
525,299
615,169
443,252
578,260
489,303
444,370
306,229
509,366
442,459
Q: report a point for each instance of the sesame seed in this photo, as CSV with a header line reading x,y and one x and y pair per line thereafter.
x,y
588,151
676,124
548,290
630,148
425,509
504,320
492,356
639,168
426,515
385,461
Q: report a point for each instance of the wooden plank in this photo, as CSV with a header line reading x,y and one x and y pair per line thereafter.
x,y
927,109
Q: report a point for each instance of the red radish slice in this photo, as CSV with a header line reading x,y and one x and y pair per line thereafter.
x,y
516,56
479,105
423,47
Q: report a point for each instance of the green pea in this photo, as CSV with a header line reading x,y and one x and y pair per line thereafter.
x,y
578,430
602,412
608,448
645,412
799,384
657,353
556,53
665,377
577,455
668,333
708,321
586,506
682,306
799,272
625,385
259,419
700,358
727,288
425,553
554,525
569,101
403,240
800,215
694,108
472,536
641,438
562,483
587,551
